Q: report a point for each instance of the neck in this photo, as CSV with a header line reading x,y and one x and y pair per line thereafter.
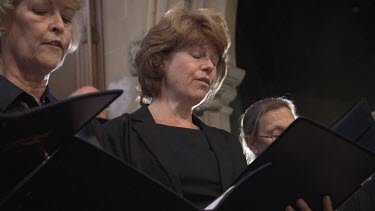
x,y
172,113
26,80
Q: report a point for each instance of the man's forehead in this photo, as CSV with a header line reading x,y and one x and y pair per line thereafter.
x,y
277,117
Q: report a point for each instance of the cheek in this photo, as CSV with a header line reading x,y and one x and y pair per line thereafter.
x,y
24,44
265,142
262,146
31,37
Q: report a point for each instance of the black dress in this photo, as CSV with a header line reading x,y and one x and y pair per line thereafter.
x,y
197,164
197,168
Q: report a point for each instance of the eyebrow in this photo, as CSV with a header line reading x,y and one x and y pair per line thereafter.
x,y
277,127
68,4
29,2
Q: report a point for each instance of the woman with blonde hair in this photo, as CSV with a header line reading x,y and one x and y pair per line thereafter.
x,y
36,35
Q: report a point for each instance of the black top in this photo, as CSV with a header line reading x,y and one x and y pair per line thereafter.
x,y
138,140
14,99
198,168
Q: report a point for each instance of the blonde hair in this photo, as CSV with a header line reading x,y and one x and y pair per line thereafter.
x,y
7,7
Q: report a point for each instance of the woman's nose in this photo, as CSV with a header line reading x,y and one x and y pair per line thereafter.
x,y
57,23
208,65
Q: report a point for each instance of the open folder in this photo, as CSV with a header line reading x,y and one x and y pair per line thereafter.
x,y
307,161
80,176
43,167
61,119
29,138
358,125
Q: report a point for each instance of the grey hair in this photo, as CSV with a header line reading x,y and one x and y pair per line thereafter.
x,y
249,120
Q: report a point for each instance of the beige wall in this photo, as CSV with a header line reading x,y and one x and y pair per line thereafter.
x,y
125,23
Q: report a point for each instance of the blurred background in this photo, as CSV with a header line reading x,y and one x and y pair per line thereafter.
x,y
320,54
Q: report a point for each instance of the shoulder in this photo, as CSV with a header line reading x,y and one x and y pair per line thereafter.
x,y
117,126
126,119
115,131
223,134
118,120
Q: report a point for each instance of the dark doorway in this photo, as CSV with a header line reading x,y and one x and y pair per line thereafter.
x,y
320,54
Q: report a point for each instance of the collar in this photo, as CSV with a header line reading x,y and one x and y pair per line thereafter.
x,y
10,93
143,114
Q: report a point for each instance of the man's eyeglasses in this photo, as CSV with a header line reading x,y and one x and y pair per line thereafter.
x,y
272,137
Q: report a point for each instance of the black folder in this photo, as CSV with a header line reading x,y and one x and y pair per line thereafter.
x,y
60,119
80,176
28,138
44,167
358,125
307,161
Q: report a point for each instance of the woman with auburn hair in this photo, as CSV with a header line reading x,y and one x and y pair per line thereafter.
x,y
181,64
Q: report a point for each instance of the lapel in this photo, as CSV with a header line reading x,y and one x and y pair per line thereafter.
x,y
145,126
218,144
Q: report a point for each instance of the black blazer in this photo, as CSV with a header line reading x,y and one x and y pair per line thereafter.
x,y
135,139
